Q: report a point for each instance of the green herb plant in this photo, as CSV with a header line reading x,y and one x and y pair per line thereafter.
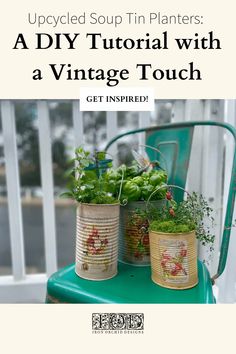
x,y
94,180
193,213
88,182
137,185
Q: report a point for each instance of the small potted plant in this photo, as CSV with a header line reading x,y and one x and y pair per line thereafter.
x,y
138,181
174,231
97,223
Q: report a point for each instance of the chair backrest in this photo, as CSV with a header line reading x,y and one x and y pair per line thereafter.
x,y
175,146
174,141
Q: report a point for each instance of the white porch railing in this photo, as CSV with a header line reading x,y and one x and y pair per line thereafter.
x,y
207,156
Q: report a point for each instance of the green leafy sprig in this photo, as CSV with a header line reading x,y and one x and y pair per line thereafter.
x,y
88,180
191,214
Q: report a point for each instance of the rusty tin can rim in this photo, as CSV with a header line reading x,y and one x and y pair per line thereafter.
x,y
172,233
95,204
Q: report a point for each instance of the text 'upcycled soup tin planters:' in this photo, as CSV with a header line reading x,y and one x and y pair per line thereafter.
x,y
97,229
134,245
174,259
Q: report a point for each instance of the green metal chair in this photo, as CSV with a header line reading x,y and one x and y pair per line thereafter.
x,y
133,284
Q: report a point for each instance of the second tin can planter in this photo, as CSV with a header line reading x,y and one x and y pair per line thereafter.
x,y
97,230
141,178
133,233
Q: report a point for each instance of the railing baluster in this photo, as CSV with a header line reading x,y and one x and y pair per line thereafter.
x,y
78,123
144,121
179,111
13,189
47,186
194,110
112,130
227,290
212,166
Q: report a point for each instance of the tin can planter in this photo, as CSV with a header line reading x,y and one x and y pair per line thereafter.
x,y
133,234
97,229
174,259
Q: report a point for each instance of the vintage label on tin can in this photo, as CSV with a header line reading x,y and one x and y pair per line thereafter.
x,y
174,260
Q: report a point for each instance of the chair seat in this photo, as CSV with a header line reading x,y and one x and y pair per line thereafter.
x,y
131,285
